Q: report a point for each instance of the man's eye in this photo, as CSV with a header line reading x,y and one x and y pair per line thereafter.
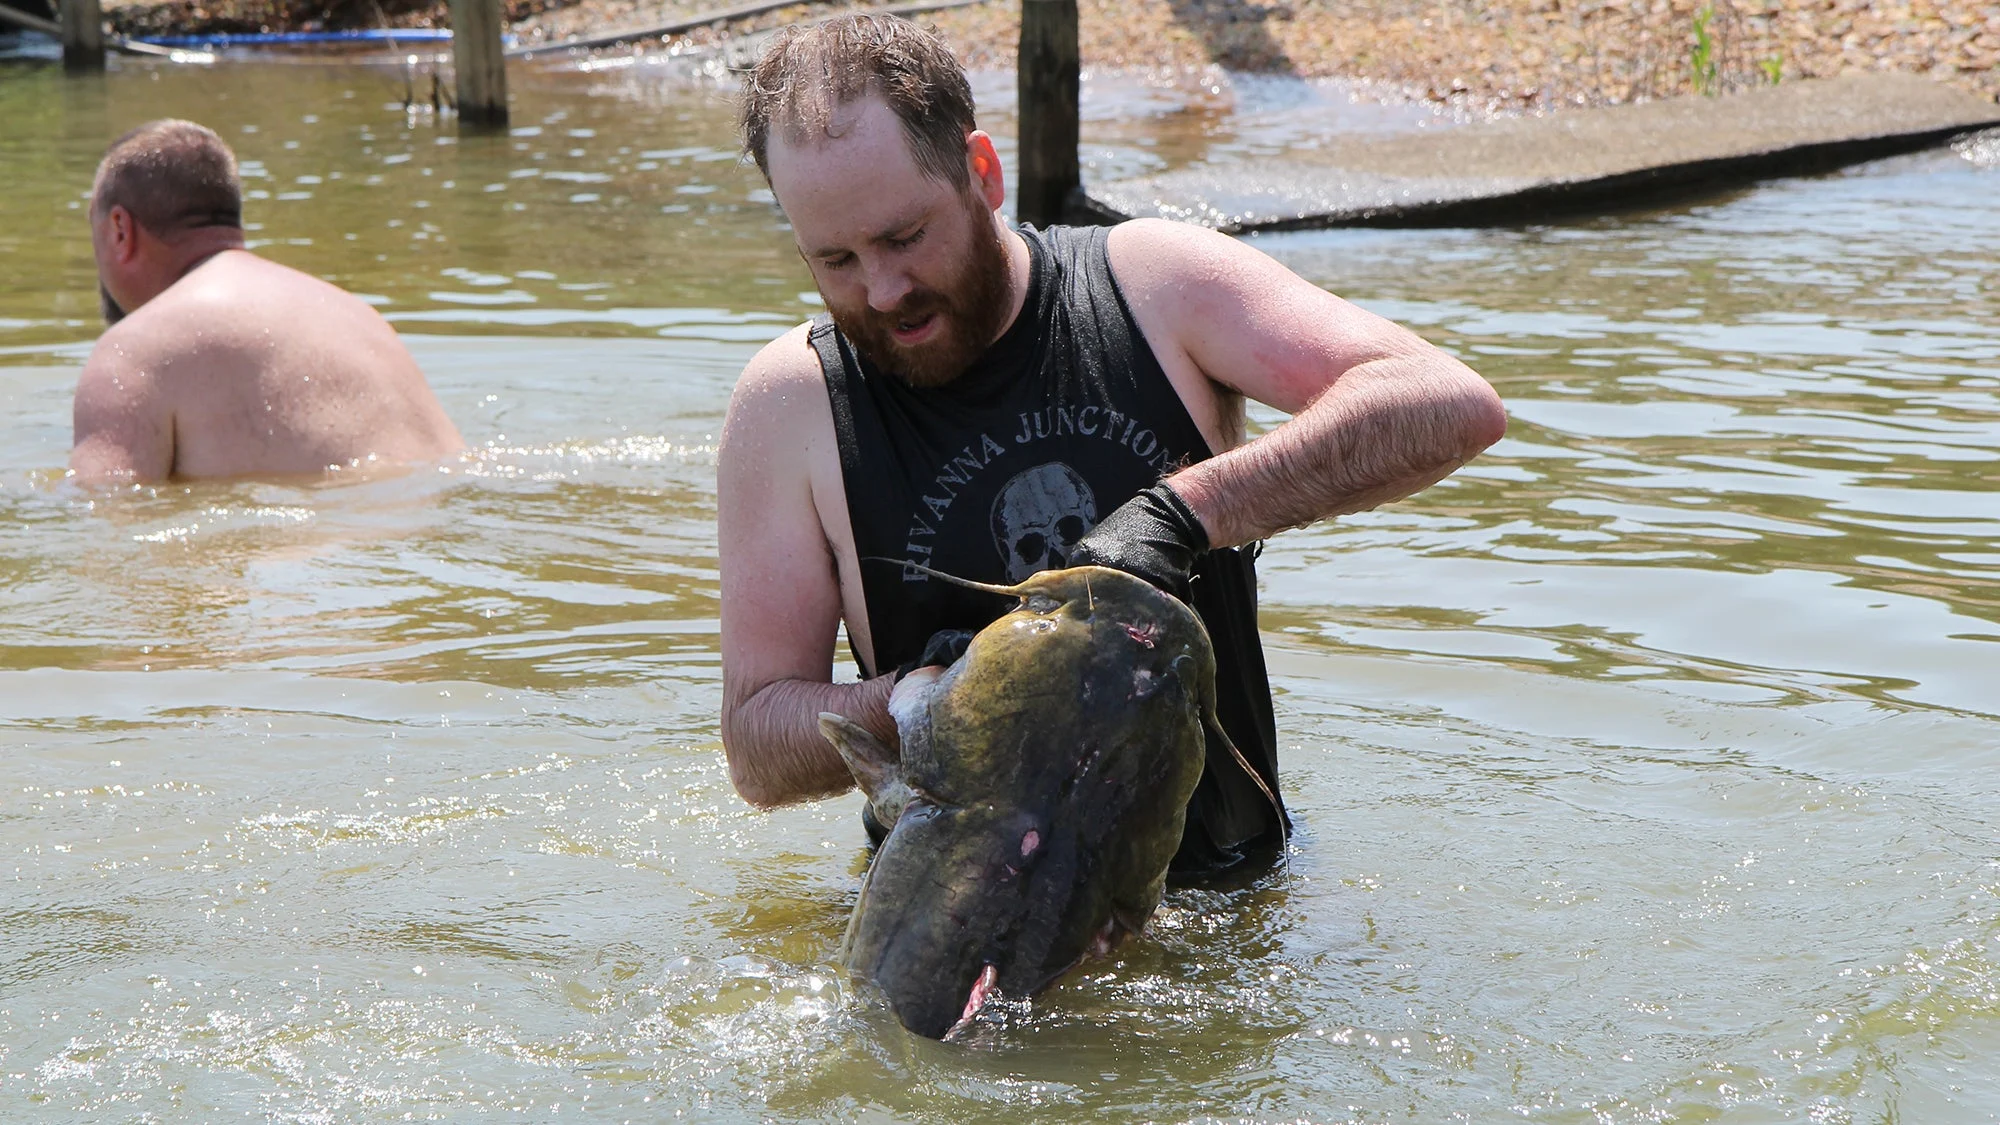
x,y
839,263
908,241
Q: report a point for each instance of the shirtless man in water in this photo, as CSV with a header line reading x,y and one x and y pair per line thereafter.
x,y
219,363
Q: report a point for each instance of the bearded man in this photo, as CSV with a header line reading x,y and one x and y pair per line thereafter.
x,y
991,400
219,363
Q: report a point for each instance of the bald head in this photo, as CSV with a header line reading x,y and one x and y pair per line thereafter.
x,y
171,177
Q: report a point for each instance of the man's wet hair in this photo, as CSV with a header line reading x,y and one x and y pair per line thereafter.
x,y
811,70
172,176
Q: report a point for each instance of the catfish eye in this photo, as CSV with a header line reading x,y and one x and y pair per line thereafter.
x,y
1041,603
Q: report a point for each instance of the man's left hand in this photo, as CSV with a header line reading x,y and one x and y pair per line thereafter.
x,y
942,650
1154,535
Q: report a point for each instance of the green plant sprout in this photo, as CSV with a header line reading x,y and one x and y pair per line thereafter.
x,y
1703,61
1774,68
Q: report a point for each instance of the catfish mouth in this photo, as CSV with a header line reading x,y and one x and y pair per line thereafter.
x,y
975,1000
1108,937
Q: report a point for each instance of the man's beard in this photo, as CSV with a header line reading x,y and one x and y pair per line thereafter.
x,y
112,313
971,306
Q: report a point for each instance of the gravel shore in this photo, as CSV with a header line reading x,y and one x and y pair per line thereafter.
x,y
1493,54
1533,52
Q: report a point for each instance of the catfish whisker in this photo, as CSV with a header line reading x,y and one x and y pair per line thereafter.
x,y
988,587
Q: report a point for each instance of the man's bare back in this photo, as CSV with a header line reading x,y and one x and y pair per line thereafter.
x,y
245,367
219,363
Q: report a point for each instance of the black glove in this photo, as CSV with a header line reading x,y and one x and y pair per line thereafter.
x,y
1154,535
944,647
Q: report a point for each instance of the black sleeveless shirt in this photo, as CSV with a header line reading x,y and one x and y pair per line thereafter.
x,y
996,475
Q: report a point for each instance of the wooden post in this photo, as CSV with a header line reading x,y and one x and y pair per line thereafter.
x,y
1048,95
480,62
82,35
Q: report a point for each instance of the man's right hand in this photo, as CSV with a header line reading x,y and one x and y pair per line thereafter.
x,y
1154,535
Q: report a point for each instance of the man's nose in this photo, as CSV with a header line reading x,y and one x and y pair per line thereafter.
x,y
887,286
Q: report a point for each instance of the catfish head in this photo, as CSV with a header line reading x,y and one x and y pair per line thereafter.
x,y
1039,796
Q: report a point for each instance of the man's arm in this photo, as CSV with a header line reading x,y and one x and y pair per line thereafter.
x,y
781,604
1378,412
123,429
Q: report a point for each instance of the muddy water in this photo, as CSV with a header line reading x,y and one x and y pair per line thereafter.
x,y
1646,771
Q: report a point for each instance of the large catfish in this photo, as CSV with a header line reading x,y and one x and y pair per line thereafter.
x,y
1040,793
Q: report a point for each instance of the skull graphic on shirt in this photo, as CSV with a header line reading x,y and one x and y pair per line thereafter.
x,y
1038,517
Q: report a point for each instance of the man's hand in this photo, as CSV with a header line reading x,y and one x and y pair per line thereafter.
x,y
1154,535
942,650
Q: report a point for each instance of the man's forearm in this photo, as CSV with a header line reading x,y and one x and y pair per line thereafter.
x,y
775,750
1387,429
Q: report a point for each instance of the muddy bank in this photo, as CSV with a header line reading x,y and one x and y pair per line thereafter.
x,y
1526,51
143,18
1523,53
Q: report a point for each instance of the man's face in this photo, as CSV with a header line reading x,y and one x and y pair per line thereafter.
x,y
912,269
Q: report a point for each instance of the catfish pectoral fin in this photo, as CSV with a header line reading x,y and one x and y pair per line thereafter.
x,y
876,768
872,764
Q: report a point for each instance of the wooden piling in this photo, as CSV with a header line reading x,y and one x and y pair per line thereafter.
x,y
1048,80
82,35
481,63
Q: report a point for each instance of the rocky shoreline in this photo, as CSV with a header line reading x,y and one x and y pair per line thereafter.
x,y
1518,54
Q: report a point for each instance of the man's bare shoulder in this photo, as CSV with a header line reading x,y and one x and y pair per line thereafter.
x,y
785,361
781,389
246,266
219,320
1242,318
123,412
239,290
1158,260
144,349
124,366
778,439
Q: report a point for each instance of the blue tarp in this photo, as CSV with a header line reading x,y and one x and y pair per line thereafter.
x,y
386,36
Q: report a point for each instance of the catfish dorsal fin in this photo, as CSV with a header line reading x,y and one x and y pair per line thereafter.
x,y
988,587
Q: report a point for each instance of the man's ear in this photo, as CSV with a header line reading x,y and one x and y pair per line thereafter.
x,y
984,164
124,234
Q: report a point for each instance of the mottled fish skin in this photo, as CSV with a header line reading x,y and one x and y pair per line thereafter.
x,y
1042,789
